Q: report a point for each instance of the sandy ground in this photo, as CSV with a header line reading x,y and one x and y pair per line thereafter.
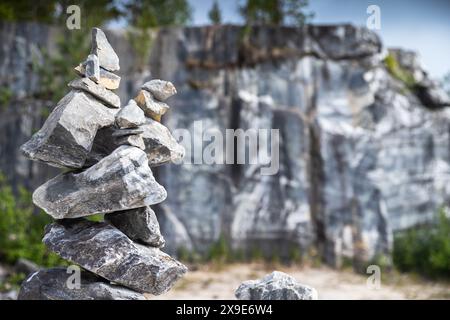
x,y
210,282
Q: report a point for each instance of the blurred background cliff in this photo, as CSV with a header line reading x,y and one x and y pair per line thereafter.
x,y
363,115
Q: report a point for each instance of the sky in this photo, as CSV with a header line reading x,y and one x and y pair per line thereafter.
x,y
420,25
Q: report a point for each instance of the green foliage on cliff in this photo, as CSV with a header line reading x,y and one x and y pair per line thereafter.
x,y
145,16
54,11
425,250
21,230
394,68
275,12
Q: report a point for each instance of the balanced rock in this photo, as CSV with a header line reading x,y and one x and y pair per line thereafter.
x,y
134,140
52,284
120,181
107,57
130,116
152,108
92,68
138,224
107,79
67,135
275,286
160,89
108,97
160,146
104,250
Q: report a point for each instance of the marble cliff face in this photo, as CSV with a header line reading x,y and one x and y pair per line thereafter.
x,y
360,155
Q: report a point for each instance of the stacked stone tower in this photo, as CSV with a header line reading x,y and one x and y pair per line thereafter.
x,y
106,151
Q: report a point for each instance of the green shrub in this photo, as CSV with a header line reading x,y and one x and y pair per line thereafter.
x,y
425,250
398,72
21,230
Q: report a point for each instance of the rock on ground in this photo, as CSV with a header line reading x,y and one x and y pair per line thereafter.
x,y
104,250
120,181
55,284
275,286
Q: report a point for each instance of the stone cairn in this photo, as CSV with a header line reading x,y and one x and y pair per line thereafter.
x,y
108,151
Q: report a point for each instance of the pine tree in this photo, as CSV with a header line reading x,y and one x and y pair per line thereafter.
x,y
214,14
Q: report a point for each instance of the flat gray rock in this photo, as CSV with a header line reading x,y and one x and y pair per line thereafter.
x,y
107,79
152,108
92,68
104,250
134,140
160,89
106,96
139,225
120,181
106,55
275,286
54,284
67,135
160,146
130,116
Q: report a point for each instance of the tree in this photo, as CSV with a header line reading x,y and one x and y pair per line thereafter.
x,y
157,13
214,14
275,12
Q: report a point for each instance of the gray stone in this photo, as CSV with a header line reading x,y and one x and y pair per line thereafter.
x,y
120,181
139,225
160,146
52,284
92,68
104,250
275,286
130,116
152,108
134,140
106,96
106,55
107,79
160,89
67,135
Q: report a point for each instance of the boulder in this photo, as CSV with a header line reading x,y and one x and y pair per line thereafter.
x,y
152,108
160,146
134,140
160,89
106,96
139,225
275,286
54,284
107,57
67,135
130,116
107,79
92,68
104,250
120,181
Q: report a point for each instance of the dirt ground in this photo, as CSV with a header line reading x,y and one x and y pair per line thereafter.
x,y
209,282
